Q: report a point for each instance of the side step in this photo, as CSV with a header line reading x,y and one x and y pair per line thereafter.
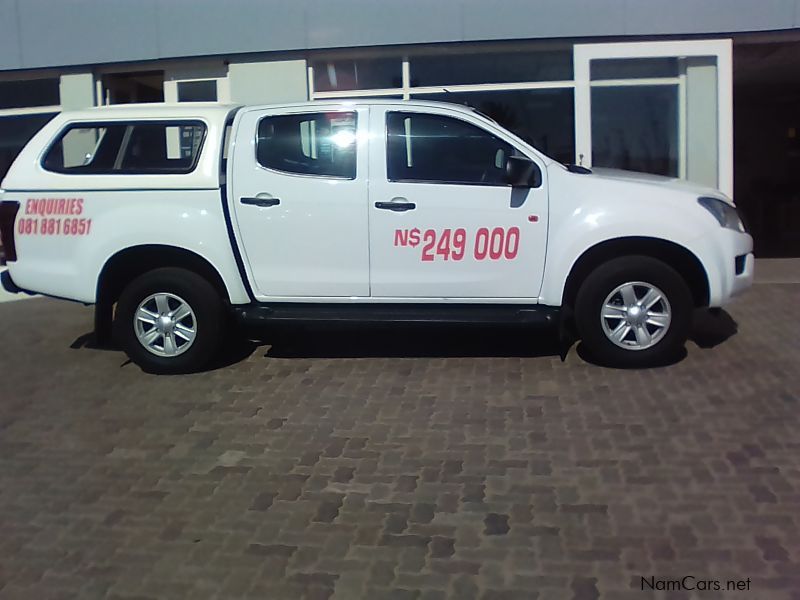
x,y
263,313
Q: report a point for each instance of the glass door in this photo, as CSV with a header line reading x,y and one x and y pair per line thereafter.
x,y
656,107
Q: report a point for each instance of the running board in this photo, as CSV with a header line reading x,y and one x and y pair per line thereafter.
x,y
263,313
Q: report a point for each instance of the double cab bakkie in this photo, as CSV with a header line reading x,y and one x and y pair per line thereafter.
x,y
176,221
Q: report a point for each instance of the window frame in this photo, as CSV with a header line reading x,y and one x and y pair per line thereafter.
x,y
516,151
355,114
59,137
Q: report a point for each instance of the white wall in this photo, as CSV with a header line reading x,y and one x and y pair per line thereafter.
x,y
77,91
268,82
701,122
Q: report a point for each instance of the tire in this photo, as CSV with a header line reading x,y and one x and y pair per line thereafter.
x,y
173,348
655,336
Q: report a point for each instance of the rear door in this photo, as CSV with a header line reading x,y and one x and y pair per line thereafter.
x,y
444,224
299,191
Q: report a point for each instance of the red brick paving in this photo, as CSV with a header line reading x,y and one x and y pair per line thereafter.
x,y
394,463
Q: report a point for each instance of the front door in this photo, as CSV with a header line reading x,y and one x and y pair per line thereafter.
x,y
300,197
444,224
656,107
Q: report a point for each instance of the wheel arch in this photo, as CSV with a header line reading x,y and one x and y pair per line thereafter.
x,y
127,264
683,260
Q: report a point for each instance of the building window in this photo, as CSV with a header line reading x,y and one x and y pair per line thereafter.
x,y
529,92
634,68
15,132
545,119
197,91
321,144
360,74
29,93
488,67
127,148
133,87
26,105
636,128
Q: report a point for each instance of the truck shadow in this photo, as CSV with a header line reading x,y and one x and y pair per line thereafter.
x,y
710,328
408,341
294,341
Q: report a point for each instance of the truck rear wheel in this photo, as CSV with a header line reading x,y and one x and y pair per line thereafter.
x,y
169,321
634,311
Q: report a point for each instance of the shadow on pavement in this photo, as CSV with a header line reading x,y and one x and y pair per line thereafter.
x,y
234,350
89,341
599,362
710,328
409,341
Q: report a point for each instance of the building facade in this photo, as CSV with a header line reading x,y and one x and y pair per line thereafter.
x,y
705,91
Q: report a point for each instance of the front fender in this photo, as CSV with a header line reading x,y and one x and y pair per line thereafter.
x,y
587,211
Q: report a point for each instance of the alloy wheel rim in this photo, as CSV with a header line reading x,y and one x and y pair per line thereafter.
x,y
636,315
165,324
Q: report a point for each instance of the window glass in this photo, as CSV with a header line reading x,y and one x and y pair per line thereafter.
x,y
440,149
197,91
543,118
127,148
636,128
322,144
634,68
505,67
15,132
360,74
125,88
29,93
361,96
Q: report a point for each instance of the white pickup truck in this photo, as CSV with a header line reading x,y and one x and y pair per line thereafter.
x,y
173,219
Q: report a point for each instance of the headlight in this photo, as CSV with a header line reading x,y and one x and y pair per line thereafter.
x,y
724,213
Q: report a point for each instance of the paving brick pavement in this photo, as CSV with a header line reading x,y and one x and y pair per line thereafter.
x,y
400,463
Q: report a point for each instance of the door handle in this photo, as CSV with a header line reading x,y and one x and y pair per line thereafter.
x,y
264,202
396,206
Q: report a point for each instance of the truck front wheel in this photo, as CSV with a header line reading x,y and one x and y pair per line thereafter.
x,y
169,321
634,311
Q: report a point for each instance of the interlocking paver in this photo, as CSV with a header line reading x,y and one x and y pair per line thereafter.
x,y
429,463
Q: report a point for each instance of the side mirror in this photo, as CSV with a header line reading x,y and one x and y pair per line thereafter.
x,y
522,172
